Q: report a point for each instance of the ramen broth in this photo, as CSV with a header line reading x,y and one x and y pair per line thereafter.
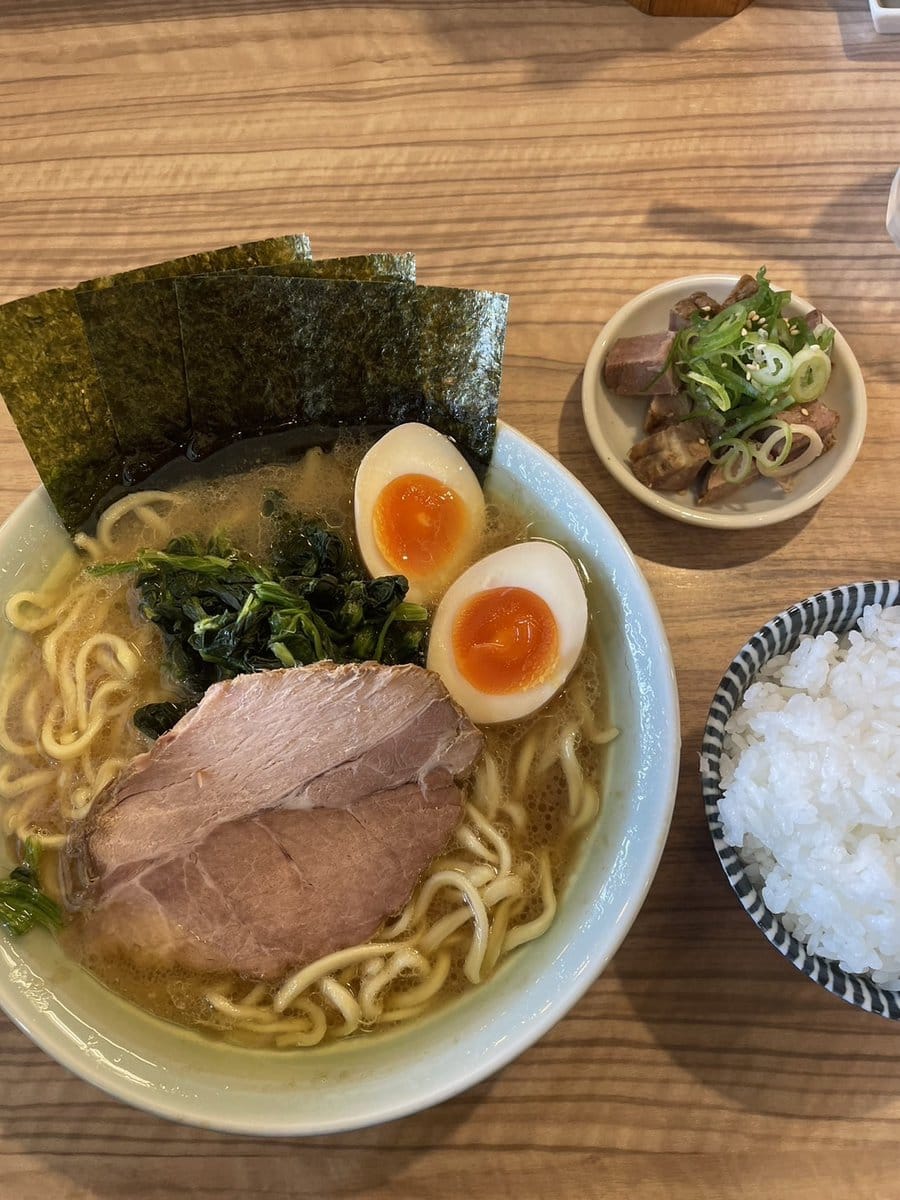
x,y
320,484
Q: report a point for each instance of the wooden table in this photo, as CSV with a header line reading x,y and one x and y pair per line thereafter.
x,y
570,154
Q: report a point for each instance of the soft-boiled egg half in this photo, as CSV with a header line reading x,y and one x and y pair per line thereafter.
x,y
419,509
509,631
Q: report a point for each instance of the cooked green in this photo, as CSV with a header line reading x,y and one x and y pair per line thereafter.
x,y
223,615
22,902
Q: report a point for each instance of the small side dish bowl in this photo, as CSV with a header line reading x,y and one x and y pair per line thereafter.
x,y
615,423
179,1074
837,610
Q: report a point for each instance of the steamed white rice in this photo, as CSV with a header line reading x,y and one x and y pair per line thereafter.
x,y
811,781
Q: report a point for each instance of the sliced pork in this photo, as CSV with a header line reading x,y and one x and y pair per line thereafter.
x,y
745,287
638,366
697,303
283,818
818,416
667,410
671,458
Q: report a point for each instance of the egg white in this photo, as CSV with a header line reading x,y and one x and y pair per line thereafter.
x,y
414,449
542,568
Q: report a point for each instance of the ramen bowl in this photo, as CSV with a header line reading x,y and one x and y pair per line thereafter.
x,y
180,1074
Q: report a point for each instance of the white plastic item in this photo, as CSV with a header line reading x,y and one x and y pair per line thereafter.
x,y
893,208
885,16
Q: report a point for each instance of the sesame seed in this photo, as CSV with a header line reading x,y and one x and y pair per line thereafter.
x,y
702,441
744,332
805,411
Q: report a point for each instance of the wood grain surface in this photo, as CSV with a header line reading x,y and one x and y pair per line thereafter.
x,y
571,154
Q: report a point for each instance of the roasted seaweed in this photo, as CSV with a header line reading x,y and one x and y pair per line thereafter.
x,y
462,336
53,392
130,371
263,352
366,268
135,336
269,251
135,339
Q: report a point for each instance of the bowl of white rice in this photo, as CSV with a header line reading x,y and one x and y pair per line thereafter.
x,y
800,766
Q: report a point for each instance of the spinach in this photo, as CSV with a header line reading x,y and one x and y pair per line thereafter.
x,y
22,903
223,615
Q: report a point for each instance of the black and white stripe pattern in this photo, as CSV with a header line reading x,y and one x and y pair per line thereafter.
x,y
838,610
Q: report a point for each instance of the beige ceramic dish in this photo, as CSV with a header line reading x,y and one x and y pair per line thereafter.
x,y
615,423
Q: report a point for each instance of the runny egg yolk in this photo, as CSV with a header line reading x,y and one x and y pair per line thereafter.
x,y
418,524
505,640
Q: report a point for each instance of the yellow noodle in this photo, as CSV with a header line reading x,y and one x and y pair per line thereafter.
x,y
487,790
317,1030
297,983
370,1001
429,987
468,839
502,854
10,788
340,997
20,682
533,929
392,1015
497,936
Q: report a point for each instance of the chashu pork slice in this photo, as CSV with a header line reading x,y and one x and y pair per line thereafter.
x,y
283,818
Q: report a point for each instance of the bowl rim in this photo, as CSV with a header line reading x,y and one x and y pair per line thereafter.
x,y
837,609
593,397
66,1050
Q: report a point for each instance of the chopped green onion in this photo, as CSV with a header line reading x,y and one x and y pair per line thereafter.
x,y
770,364
723,449
740,367
812,370
712,390
738,466
781,432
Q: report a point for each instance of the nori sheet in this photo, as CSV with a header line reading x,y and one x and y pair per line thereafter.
x,y
462,334
367,268
263,352
135,336
268,252
111,380
54,395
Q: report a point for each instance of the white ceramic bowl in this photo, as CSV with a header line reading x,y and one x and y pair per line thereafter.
x,y
179,1074
615,423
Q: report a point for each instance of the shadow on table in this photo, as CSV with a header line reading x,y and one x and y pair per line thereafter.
x,y
48,14
555,45
849,216
858,34
728,1009
119,1151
